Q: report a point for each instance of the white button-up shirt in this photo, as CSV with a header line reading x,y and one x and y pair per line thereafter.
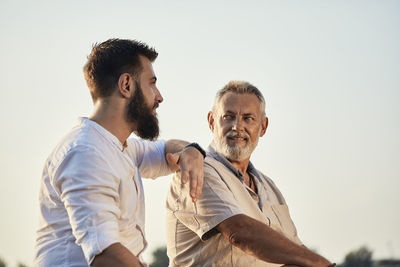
x,y
91,195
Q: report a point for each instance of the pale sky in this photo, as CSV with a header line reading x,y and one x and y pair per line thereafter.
x,y
329,70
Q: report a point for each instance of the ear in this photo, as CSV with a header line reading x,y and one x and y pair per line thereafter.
x,y
126,85
264,126
210,119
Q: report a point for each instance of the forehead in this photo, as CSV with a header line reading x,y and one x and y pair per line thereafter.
x,y
239,103
147,67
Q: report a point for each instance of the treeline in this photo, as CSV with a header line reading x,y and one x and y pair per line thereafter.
x,y
361,257
3,264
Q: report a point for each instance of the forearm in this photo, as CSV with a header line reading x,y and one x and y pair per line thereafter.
x,y
262,242
270,245
116,255
173,146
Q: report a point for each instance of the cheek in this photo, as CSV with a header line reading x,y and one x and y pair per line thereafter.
x,y
147,91
149,96
225,126
254,133
225,130
219,130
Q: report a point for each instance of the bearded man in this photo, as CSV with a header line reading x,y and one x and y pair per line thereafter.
x,y
241,218
91,195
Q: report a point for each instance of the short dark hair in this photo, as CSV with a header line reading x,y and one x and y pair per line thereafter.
x,y
109,59
240,87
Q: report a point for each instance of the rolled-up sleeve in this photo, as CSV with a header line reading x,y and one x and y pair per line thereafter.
x,y
89,190
215,204
149,156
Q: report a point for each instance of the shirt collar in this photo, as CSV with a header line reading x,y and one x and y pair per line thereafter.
x,y
221,158
101,130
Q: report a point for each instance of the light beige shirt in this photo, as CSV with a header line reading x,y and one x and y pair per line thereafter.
x,y
191,236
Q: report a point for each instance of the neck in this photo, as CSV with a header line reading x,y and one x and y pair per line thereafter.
x,y
110,114
241,165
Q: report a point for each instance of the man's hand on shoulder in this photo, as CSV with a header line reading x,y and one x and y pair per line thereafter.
x,y
190,163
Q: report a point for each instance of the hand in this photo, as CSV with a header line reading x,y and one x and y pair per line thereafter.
x,y
189,162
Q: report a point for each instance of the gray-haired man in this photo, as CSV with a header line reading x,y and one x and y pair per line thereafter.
x,y
241,218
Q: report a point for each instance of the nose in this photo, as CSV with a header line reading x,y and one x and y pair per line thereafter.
x,y
158,97
237,124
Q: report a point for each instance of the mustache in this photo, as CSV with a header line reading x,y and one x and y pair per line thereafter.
x,y
235,134
156,104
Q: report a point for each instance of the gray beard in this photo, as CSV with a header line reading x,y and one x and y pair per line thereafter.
x,y
235,152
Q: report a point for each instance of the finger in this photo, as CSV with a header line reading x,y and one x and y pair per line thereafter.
x,y
184,176
173,161
199,188
172,158
193,186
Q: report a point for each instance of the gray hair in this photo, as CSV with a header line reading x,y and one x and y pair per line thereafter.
x,y
240,87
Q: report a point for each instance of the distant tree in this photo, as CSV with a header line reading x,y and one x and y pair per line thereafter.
x,y
21,265
2,263
160,258
361,257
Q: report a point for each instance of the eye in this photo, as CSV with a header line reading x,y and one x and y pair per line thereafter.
x,y
228,117
248,118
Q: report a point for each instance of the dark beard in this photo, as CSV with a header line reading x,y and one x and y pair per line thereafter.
x,y
139,113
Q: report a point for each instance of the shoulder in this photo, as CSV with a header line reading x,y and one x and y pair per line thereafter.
x,y
263,177
214,181
80,139
80,145
213,167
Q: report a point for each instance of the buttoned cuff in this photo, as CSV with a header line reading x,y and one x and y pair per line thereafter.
x,y
98,238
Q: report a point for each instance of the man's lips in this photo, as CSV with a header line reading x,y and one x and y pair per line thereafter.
x,y
155,106
237,138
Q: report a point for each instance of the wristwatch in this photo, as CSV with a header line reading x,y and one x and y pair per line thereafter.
x,y
198,147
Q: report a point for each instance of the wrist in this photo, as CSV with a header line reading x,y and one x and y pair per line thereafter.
x,y
198,147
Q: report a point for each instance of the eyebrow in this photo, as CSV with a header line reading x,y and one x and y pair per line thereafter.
x,y
244,114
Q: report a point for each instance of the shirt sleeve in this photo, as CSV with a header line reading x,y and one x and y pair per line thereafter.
x,y
149,156
89,190
215,204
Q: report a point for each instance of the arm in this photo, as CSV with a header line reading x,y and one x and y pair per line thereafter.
x,y
155,159
89,190
116,255
189,161
174,145
261,241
